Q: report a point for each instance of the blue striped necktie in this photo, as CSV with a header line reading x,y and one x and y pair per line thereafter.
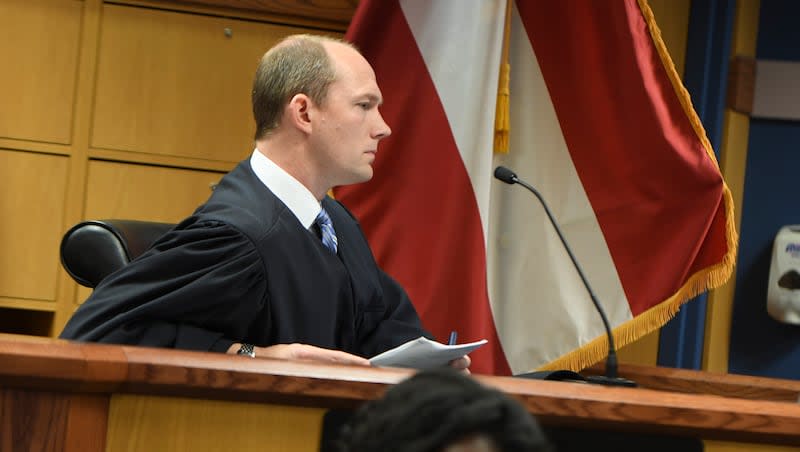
x,y
328,234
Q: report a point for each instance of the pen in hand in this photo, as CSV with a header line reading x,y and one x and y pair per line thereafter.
x,y
453,338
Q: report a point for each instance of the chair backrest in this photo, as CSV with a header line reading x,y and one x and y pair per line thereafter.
x,y
93,249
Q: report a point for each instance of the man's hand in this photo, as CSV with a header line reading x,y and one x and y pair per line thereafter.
x,y
461,364
305,352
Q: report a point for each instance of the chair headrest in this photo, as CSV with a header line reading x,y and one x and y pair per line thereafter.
x,y
91,250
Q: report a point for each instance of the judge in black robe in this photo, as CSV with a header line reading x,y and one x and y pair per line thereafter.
x,y
242,269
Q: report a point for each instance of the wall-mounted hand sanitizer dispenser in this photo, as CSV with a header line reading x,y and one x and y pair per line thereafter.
x,y
783,293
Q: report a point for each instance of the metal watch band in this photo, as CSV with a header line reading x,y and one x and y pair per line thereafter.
x,y
247,349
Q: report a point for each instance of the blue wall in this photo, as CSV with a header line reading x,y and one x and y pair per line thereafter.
x,y
709,40
760,345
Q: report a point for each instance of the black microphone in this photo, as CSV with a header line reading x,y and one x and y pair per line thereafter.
x,y
506,175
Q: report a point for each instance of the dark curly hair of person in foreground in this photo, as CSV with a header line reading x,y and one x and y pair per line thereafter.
x,y
443,411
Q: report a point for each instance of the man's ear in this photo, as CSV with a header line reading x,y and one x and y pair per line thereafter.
x,y
297,112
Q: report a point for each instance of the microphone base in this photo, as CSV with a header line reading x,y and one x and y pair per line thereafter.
x,y
574,377
610,381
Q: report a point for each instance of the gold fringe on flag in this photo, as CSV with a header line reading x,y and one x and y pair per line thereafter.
x,y
501,115
707,278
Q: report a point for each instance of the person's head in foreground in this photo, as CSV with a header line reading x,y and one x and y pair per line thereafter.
x,y
443,411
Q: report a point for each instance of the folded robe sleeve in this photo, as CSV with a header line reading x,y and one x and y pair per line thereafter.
x,y
197,289
398,321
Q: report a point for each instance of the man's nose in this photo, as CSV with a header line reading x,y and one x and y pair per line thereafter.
x,y
383,130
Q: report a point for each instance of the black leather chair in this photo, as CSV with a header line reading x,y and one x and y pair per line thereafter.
x,y
93,249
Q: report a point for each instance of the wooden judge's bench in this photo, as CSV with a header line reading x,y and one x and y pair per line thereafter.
x,y
57,395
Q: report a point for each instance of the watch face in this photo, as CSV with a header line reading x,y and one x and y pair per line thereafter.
x,y
247,349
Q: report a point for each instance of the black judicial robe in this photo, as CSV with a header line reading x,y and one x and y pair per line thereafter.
x,y
243,269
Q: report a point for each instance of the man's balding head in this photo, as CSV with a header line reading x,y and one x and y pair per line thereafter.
x,y
297,64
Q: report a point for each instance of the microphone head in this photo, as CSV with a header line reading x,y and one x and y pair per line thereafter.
x,y
505,175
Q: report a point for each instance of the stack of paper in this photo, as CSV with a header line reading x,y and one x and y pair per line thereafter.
x,y
423,353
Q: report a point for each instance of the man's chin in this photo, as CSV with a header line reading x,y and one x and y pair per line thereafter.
x,y
361,176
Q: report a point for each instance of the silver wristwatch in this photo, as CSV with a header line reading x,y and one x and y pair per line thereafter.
x,y
247,349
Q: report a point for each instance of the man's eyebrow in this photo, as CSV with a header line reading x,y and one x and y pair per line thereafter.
x,y
374,99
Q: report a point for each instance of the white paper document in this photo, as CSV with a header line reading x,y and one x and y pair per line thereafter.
x,y
423,353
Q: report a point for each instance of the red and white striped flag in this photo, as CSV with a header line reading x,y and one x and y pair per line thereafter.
x,y
600,124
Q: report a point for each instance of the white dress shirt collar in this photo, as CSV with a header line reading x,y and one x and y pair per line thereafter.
x,y
289,190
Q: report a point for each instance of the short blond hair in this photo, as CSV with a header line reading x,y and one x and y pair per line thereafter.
x,y
297,64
